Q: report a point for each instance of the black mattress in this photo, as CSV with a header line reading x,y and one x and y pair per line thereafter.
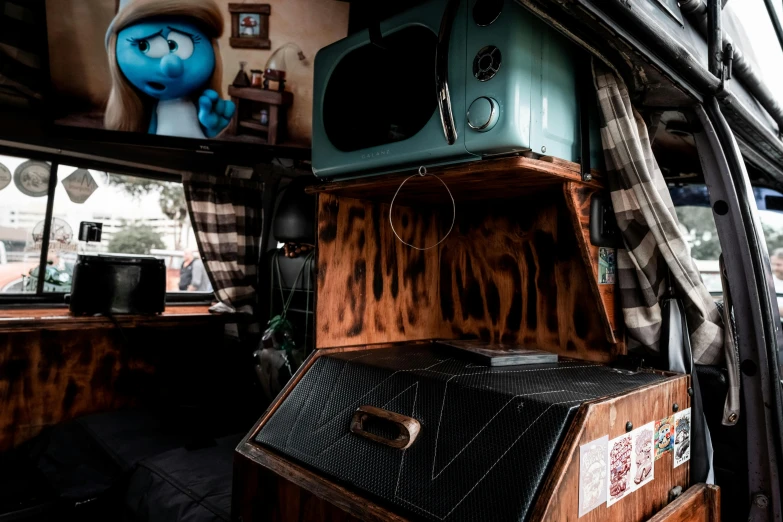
x,y
487,434
123,465
184,485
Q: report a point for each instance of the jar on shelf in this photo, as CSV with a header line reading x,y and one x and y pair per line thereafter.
x,y
257,78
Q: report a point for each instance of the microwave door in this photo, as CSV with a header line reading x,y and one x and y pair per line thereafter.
x,y
442,71
375,108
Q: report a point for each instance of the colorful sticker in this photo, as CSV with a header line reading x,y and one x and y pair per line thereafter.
x,y
607,265
592,474
620,468
682,437
643,455
664,436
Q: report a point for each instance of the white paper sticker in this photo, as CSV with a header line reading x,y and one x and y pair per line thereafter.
x,y
643,455
682,437
620,473
79,185
592,474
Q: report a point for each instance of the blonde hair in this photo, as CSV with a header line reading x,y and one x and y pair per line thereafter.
x,y
128,109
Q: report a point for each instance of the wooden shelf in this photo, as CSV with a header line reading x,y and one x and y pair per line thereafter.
x,y
62,319
250,124
489,179
261,95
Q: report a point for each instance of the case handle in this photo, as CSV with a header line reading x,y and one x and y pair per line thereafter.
x,y
442,71
408,426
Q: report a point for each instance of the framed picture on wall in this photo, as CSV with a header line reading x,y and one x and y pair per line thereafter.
x,y
250,26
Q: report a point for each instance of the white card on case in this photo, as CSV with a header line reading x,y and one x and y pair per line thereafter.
x,y
643,440
592,474
682,437
620,468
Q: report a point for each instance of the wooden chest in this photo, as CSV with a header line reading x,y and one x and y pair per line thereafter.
x,y
487,440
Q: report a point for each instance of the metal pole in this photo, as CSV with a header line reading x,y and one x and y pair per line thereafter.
x,y
714,38
773,16
47,229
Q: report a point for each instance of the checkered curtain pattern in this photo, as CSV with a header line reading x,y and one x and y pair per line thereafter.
x,y
226,214
22,52
655,252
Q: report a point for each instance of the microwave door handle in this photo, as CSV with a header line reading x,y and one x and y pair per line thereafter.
x,y
442,71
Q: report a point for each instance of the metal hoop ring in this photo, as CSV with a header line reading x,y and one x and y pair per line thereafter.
x,y
423,173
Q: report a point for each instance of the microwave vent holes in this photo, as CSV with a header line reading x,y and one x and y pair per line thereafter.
x,y
486,63
421,174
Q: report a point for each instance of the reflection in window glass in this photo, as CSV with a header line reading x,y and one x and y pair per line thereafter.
x,y
702,237
772,225
23,188
139,216
695,215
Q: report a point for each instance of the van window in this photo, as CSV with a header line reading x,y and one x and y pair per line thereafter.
x,y
23,196
139,215
692,206
702,236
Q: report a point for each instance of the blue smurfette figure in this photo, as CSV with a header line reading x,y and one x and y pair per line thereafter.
x,y
166,69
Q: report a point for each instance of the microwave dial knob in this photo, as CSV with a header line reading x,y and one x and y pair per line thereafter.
x,y
483,114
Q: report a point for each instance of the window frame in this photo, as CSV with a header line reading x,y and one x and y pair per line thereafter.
x,y
55,159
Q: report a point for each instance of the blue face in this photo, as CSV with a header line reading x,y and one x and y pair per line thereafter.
x,y
166,58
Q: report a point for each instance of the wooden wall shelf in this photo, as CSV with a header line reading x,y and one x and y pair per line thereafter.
x,y
32,319
276,102
489,179
518,266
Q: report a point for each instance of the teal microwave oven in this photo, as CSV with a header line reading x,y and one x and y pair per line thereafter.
x,y
449,81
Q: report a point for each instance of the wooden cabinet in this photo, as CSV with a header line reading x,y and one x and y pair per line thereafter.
x,y
55,367
517,268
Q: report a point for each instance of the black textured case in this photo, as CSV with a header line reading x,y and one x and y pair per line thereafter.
x,y
487,434
118,284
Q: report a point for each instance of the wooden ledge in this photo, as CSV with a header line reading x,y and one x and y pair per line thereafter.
x,y
502,178
61,319
700,503
356,505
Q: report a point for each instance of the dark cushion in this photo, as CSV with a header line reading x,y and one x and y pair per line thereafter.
x,y
184,485
87,457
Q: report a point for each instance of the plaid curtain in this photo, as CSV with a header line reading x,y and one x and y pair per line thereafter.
x,y
655,253
22,51
227,218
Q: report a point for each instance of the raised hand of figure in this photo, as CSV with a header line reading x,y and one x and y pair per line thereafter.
x,y
214,114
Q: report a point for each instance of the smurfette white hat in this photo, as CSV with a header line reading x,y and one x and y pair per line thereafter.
x,y
205,11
